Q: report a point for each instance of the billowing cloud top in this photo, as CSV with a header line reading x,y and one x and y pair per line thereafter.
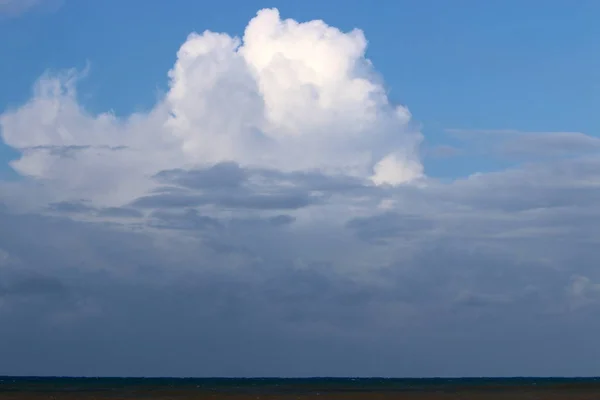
x,y
270,215
290,96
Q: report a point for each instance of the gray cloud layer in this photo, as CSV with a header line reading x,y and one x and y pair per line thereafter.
x,y
449,283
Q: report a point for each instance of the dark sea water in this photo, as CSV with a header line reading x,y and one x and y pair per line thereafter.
x,y
14,385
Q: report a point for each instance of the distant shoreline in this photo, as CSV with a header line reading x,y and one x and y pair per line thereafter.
x,y
324,378
71,388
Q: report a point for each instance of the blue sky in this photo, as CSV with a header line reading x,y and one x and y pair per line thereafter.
x,y
258,206
472,65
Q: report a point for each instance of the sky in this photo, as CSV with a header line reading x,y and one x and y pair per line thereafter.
x,y
284,188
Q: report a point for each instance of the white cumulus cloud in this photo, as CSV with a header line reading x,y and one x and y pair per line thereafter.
x,y
288,96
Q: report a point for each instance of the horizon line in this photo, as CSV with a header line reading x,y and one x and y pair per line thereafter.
x,y
530,377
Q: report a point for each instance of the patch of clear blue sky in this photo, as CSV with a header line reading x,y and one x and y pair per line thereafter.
x,y
510,64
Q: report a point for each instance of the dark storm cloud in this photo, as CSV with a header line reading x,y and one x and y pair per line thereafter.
x,y
498,263
130,293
